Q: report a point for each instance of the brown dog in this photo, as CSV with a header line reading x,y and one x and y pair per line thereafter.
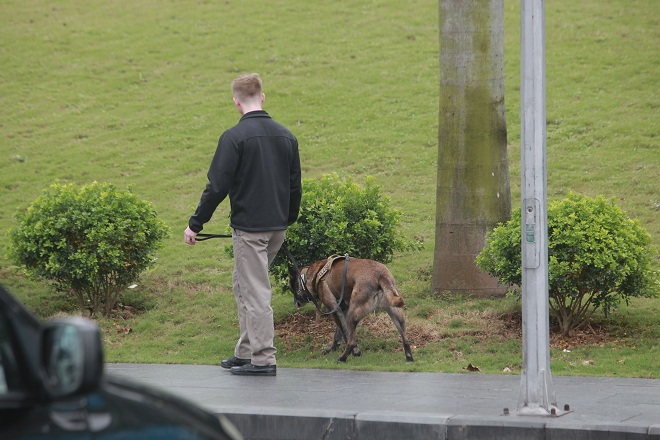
x,y
369,285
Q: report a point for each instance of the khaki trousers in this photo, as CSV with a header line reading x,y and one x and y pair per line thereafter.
x,y
253,254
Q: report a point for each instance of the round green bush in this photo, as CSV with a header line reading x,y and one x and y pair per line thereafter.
x,y
91,241
338,216
597,257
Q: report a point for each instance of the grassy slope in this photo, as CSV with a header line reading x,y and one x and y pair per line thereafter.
x,y
136,93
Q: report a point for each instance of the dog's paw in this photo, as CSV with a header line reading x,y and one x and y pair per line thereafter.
x,y
357,352
341,359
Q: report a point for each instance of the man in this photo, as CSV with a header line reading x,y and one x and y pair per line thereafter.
x,y
257,164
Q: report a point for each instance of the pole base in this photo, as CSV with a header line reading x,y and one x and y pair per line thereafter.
x,y
553,411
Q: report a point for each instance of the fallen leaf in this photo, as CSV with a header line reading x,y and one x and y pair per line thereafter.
x,y
122,329
471,367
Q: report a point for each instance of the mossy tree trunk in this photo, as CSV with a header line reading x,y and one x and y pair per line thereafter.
x,y
473,192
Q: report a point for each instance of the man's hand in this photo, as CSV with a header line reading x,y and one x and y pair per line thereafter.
x,y
189,236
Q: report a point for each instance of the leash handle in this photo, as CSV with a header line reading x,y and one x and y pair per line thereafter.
x,y
204,237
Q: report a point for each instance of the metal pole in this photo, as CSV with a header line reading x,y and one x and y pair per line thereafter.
x,y
537,395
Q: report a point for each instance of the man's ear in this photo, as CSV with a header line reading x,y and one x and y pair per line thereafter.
x,y
263,97
237,104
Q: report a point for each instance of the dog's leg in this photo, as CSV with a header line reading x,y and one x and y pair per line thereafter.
x,y
351,342
339,334
326,297
356,350
400,323
357,310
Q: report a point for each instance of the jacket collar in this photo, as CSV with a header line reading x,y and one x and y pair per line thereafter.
x,y
256,114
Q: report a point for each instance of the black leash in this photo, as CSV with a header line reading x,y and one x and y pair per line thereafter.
x,y
203,237
308,296
343,289
343,286
292,259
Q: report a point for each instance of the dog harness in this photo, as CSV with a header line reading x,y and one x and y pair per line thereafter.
x,y
323,272
325,269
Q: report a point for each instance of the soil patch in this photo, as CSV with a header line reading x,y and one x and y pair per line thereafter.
x,y
308,329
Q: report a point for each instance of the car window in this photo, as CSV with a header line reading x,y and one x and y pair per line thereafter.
x,y
10,377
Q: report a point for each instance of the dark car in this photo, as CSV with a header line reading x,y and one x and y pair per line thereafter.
x,y
52,385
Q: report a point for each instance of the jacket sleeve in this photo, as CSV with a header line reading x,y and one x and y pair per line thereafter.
x,y
295,185
220,177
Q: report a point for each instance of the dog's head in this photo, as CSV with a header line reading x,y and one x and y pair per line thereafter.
x,y
297,284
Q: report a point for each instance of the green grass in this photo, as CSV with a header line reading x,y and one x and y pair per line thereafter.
x,y
137,93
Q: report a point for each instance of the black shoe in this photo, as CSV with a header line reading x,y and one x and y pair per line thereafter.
x,y
254,370
233,362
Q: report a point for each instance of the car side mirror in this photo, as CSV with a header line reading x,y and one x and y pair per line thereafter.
x,y
71,357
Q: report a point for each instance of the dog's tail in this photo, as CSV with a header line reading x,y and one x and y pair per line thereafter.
x,y
393,296
395,299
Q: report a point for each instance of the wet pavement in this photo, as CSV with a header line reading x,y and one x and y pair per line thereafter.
x,y
345,404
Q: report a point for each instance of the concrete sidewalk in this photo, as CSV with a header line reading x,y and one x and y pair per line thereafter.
x,y
343,404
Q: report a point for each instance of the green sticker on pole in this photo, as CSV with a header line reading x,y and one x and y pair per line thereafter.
x,y
529,233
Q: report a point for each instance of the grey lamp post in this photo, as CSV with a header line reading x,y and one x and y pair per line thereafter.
x,y
537,396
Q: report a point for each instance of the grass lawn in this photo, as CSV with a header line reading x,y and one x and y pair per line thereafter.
x,y
137,94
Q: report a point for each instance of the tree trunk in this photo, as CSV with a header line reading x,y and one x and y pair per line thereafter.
x,y
473,192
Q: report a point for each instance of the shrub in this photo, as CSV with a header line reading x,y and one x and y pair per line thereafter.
x,y
597,257
340,217
90,241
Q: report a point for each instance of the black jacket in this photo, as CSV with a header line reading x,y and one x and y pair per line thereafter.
x,y
257,164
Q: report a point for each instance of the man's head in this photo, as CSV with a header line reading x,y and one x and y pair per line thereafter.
x,y
247,92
